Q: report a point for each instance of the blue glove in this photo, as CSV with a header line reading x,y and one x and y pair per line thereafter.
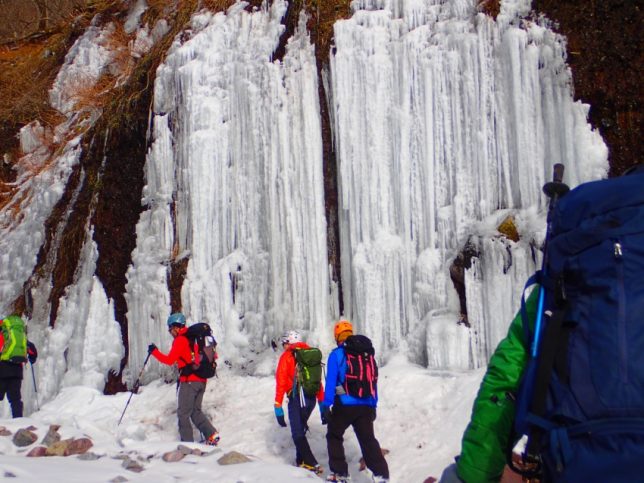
x,y
449,475
325,413
279,415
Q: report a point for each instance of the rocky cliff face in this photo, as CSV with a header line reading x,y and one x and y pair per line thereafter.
x,y
605,41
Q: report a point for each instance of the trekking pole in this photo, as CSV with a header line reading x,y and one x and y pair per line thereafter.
x,y
135,388
33,377
525,402
554,190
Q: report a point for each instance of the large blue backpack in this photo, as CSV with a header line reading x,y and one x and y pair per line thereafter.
x,y
581,401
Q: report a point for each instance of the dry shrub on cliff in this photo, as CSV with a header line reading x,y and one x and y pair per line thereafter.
x,y
323,16
26,74
164,8
490,7
94,95
217,5
27,71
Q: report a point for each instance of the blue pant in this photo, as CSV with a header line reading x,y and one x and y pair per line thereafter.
x,y
298,417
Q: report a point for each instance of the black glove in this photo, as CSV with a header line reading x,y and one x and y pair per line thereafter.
x,y
32,353
279,415
325,413
151,348
323,418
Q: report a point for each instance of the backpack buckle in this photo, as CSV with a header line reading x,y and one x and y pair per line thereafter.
x,y
560,292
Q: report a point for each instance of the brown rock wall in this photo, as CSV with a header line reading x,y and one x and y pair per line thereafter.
x,y
605,40
23,18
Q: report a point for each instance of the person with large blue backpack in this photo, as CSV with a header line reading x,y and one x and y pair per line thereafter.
x,y
569,376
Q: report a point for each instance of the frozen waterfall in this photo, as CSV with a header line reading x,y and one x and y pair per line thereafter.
x,y
445,122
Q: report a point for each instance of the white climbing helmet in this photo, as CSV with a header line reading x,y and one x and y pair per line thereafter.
x,y
291,337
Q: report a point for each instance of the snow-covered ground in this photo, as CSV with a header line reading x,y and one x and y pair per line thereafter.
x,y
421,417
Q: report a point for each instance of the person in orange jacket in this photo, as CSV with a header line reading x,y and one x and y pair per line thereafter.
x,y
298,415
191,387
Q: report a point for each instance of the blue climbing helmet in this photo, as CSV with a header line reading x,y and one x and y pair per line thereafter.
x,y
177,319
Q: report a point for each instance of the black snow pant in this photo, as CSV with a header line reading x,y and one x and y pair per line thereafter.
x,y
361,418
189,400
11,387
298,418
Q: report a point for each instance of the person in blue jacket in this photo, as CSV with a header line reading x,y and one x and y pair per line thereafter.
x,y
341,410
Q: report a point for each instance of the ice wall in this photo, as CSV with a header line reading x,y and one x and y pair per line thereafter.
x,y
443,117
234,185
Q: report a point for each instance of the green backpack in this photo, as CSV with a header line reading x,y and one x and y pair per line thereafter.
x,y
308,370
14,348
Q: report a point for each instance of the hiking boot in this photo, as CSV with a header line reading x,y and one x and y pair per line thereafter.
x,y
213,439
338,478
317,469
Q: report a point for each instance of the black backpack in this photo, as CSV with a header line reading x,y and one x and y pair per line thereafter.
x,y
204,352
361,377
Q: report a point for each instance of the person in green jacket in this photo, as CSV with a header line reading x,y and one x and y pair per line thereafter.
x,y
487,436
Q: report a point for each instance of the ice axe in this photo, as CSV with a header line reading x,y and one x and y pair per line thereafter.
x,y
135,388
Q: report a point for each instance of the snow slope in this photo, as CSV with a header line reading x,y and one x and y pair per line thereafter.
x,y
421,417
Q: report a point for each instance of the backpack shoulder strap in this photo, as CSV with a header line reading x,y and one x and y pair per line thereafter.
x,y
552,343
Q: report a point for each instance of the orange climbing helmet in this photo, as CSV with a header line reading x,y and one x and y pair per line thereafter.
x,y
342,326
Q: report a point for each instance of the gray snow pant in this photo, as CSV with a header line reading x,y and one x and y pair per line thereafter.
x,y
189,399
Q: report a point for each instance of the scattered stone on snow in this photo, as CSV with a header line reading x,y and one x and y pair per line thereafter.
x,y
9,474
132,465
79,446
173,456
24,437
52,435
233,458
4,431
186,450
59,448
37,452
118,479
89,456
